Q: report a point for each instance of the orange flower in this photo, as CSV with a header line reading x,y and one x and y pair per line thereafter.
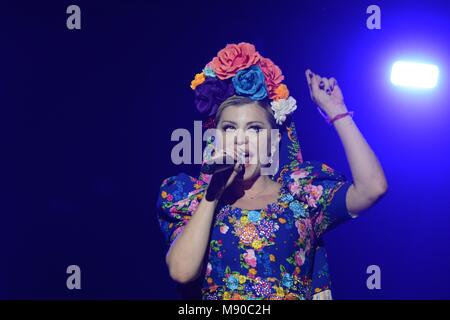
x,y
232,58
272,257
272,74
164,194
282,220
198,80
281,92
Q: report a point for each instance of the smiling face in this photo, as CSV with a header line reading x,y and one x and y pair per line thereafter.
x,y
246,128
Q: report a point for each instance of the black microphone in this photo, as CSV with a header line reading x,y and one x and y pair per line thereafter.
x,y
211,166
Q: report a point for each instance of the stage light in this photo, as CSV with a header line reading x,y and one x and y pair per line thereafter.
x,y
414,74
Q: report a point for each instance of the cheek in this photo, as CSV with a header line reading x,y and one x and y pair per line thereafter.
x,y
228,142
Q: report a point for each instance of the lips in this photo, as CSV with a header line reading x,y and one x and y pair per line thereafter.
x,y
246,157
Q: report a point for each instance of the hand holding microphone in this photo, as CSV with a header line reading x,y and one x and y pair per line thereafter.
x,y
224,167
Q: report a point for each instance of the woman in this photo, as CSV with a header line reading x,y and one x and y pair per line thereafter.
x,y
250,235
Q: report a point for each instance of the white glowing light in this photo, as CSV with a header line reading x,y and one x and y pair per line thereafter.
x,y
415,75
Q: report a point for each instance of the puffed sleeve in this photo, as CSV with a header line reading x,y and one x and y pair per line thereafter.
x,y
323,191
179,197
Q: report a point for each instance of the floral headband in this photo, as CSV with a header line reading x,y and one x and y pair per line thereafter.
x,y
239,69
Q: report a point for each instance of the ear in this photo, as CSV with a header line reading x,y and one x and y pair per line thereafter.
x,y
277,143
278,138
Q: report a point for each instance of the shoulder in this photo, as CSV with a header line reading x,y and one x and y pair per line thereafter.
x,y
314,182
178,187
308,171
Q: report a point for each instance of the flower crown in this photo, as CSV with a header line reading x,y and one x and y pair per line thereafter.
x,y
239,69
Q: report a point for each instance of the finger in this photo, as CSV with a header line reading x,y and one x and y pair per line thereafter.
x,y
323,84
333,82
237,168
326,85
315,83
309,75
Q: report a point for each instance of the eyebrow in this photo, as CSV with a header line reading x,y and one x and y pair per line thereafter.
x,y
251,122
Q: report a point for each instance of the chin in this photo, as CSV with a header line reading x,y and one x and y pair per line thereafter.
x,y
250,172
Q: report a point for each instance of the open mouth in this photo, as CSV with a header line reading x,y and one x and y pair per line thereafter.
x,y
246,158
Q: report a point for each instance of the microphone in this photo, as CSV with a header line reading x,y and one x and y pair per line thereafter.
x,y
211,166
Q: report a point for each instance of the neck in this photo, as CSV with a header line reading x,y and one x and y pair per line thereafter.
x,y
255,186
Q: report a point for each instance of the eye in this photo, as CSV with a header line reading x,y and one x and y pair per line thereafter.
x,y
255,128
228,128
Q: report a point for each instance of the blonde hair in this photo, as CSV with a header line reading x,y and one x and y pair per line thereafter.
x,y
242,100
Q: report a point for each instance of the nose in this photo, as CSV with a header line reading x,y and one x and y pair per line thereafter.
x,y
241,138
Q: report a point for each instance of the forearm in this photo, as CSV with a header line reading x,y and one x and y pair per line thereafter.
x,y
368,176
187,252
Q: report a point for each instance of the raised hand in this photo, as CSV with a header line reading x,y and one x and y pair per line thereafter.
x,y
326,94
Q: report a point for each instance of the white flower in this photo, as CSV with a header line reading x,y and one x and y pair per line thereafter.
x,y
282,108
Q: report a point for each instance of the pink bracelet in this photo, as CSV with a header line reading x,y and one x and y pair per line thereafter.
x,y
337,117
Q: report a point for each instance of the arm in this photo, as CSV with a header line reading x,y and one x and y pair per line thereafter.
x,y
369,181
186,253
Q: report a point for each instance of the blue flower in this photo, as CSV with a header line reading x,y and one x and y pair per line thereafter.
x,y
287,280
209,72
287,198
298,209
232,282
250,82
254,216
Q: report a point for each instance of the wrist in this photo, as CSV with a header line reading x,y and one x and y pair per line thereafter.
x,y
340,117
337,114
342,121
333,111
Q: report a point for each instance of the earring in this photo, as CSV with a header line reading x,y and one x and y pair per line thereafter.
x,y
272,151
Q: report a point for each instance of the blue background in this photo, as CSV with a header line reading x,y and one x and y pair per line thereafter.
x,y
86,119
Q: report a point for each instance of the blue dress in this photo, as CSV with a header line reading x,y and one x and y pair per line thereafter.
x,y
274,252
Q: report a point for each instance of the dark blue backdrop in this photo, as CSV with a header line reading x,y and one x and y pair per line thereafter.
x,y
86,118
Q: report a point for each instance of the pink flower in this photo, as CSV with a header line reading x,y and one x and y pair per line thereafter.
x,y
300,257
173,209
170,197
301,228
311,201
208,269
314,193
193,206
250,258
299,174
272,75
232,58
224,229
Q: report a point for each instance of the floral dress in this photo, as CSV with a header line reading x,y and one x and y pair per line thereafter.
x,y
275,252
